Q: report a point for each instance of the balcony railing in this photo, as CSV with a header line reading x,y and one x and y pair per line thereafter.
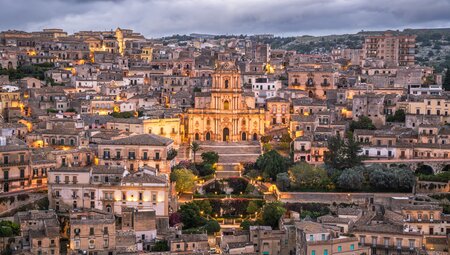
x,y
325,84
14,163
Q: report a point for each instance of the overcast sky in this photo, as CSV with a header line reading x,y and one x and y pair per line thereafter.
x,y
155,18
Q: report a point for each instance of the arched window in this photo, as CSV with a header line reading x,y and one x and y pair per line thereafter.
x,y
197,137
226,84
226,105
108,209
208,136
244,136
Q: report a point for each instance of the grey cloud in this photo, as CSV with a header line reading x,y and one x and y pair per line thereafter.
x,y
165,17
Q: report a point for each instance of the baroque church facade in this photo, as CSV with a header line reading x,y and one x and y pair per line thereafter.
x,y
226,113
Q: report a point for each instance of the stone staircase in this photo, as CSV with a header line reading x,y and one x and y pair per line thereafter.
x,y
231,155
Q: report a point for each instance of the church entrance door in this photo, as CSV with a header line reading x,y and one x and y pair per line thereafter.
x,y
226,134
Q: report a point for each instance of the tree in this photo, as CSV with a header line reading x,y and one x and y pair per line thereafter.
x,y
283,181
195,147
212,226
351,179
446,83
271,163
363,122
342,154
382,180
334,156
399,116
309,177
245,225
252,207
204,206
160,245
191,216
272,213
352,152
210,157
171,154
185,180
405,178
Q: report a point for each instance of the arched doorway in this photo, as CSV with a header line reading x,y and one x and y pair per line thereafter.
x,y
424,169
446,168
255,137
244,136
208,136
197,137
226,134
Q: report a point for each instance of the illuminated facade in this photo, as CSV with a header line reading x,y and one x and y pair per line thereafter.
x,y
108,188
227,113
316,80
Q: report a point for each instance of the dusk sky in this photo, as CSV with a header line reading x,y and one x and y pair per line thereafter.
x,y
155,18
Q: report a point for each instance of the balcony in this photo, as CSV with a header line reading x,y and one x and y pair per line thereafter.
x,y
325,84
14,163
75,196
145,158
131,157
117,158
106,157
310,84
295,83
156,158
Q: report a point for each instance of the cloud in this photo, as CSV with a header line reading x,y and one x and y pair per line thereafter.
x,y
155,18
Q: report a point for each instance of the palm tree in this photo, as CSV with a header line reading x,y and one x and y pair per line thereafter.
x,y
194,148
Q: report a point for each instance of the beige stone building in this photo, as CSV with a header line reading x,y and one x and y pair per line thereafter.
x,y
188,243
92,232
226,113
166,127
137,151
109,189
39,232
316,80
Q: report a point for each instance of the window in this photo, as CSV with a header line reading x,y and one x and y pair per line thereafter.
x,y
140,196
91,231
352,247
325,252
323,237
399,243
313,252
311,237
339,248
411,244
